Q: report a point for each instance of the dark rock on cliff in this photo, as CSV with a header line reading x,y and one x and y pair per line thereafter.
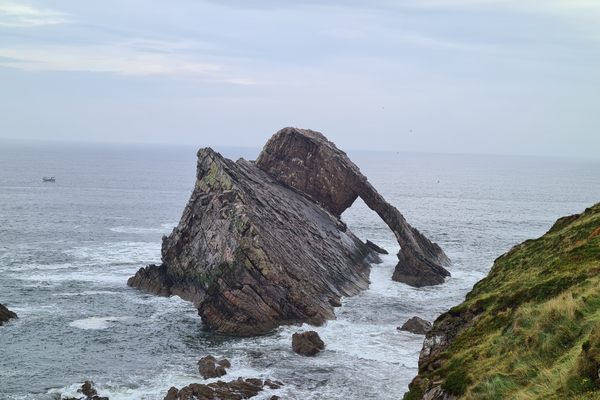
x,y
416,325
259,245
305,160
234,390
210,367
376,248
253,254
307,343
6,314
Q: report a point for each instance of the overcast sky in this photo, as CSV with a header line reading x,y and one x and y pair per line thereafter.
x,y
468,76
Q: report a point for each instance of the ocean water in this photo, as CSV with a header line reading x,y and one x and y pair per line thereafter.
x,y
67,249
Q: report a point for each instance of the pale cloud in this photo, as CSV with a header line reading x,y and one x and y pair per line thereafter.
x,y
20,15
130,58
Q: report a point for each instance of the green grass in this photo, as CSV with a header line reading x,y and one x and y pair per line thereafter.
x,y
531,328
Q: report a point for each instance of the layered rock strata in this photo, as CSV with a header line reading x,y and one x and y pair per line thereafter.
x,y
253,254
259,246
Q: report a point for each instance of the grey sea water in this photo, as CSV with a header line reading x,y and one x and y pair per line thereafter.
x,y
67,249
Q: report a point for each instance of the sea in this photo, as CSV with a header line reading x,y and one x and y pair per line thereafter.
x,y
67,249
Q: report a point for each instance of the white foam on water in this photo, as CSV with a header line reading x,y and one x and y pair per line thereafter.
x,y
170,225
38,267
117,253
86,293
95,323
136,230
108,277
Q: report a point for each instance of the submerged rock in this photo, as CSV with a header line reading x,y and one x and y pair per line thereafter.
x,y
6,314
234,390
307,161
416,325
210,367
258,245
376,248
307,343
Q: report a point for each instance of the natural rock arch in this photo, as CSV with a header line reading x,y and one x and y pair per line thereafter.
x,y
305,160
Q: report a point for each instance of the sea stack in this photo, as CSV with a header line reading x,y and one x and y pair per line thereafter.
x,y
261,244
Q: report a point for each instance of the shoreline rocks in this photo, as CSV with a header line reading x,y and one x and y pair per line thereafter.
x,y
416,325
261,244
6,315
307,343
234,390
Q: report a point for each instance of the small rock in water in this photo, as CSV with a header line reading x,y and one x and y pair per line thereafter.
x,y
210,367
307,343
416,325
6,314
376,248
89,391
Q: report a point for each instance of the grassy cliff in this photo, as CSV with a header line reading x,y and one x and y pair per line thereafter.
x,y
529,330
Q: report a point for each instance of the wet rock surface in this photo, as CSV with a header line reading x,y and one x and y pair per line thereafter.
x,y
6,314
233,390
416,325
210,367
307,343
259,246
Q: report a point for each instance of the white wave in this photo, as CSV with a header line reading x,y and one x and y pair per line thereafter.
x,y
86,293
39,267
117,253
95,323
108,277
135,230
164,229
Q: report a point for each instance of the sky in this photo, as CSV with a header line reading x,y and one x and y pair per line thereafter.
x,y
452,76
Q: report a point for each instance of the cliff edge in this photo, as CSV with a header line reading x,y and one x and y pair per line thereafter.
x,y
529,330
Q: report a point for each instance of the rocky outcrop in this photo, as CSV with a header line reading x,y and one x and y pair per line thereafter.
x,y
307,343
234,390
258,245
253,254
305,160
416,325
6,314
210,367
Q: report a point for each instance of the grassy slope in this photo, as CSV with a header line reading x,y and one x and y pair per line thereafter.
x,y
531,328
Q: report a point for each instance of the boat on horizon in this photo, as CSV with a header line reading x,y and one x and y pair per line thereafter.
x,y
48,179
